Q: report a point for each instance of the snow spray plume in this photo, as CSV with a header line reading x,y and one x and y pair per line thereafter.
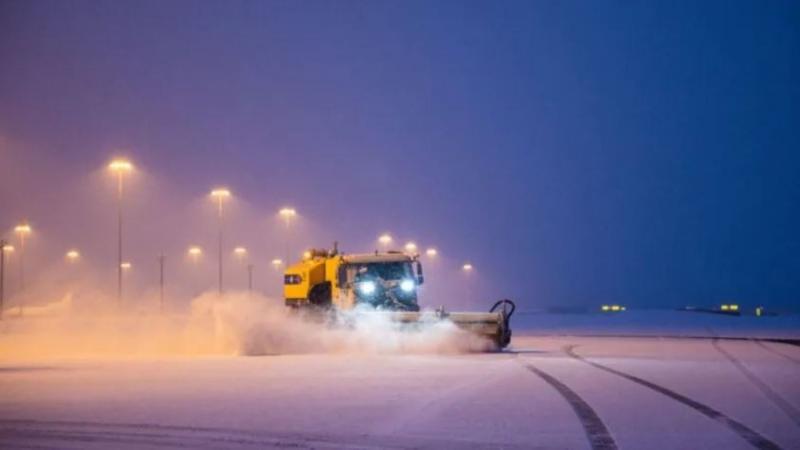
x,y
232,324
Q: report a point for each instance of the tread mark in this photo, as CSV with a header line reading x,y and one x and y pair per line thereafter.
x,y
596,431
787,408
756,440
761,343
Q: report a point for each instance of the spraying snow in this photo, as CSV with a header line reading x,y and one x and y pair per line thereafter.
x,y
236,323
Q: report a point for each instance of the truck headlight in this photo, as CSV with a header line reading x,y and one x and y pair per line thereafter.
x,y
407,285
366,287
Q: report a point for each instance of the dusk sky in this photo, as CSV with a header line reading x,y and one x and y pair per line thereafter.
x,y
646,153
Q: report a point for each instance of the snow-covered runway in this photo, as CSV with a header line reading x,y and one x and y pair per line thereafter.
x,y
545,392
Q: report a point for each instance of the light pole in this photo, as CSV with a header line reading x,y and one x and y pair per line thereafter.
x,y
249,278
120,167
287,214
220,194
467,269
241,253
277,263
125,266
431,252
385,240
22,230
3,246
411,248
72,257
161,259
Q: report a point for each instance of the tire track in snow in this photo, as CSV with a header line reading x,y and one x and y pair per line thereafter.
x,y
761,344
751,436
596,431
787,408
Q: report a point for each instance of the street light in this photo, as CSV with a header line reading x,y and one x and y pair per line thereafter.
x,y
431,252
194,253
240,253
22,230
385,240
220,195
3,249
73,256
120,167
125,266
277,263
411,248
467,269
161,259
288,213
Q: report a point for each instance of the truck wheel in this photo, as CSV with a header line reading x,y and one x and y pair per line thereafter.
x,y
320,295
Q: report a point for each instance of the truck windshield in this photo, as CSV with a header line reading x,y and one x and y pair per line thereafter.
x,y
386,271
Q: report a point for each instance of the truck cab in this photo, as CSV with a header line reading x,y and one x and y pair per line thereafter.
x,y
386,281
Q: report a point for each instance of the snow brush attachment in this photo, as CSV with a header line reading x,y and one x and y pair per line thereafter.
x,y
506,309
492,325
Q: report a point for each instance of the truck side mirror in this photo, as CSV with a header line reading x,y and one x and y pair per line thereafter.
x,y
420,276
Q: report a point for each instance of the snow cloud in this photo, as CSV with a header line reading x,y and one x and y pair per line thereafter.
x,y
237,323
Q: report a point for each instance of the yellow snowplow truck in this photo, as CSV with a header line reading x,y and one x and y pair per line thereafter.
x,y
330,280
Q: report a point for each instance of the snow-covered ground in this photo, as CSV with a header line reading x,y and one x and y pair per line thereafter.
x,y
659,323
552,389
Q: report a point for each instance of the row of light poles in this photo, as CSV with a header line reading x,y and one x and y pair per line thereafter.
x,y
385,241
6,249
23,230
195,253
122,168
